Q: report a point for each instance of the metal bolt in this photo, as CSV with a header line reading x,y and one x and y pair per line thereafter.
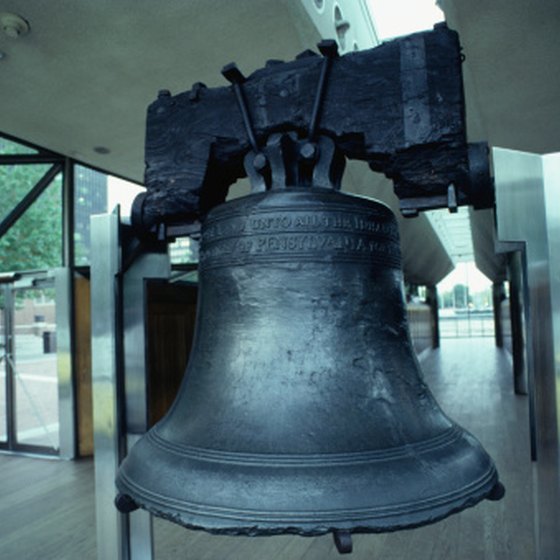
x,y
308,151
260,162
452,199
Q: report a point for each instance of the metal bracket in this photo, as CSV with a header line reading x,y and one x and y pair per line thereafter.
x,y
329,49
233,75
292,162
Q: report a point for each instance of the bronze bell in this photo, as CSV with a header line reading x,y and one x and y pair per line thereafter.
x,y
303,409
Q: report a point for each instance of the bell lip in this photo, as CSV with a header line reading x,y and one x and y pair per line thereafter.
x,y
386,524
254,523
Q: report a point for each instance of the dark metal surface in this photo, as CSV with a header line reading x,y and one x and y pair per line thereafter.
x,y
433,302
303,409
498,297
517,318
343,541
399,106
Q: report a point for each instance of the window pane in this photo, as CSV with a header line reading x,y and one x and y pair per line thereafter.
x,y
3,419
90,197
35,372
15,182
97,193
7,147
35,240
184,251
123,193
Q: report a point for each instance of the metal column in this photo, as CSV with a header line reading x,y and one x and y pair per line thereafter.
x,y
432,301
120,391
498,297
527,195
63,282
108,406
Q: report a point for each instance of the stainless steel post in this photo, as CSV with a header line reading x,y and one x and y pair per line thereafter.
x,y
527,194
120,400
109,441
66,395
497,298
432,300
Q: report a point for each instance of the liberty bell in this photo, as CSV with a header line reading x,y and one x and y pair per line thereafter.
x,y
303,408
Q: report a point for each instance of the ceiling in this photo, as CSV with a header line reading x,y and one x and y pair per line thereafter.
x,y
512,85
80,81
85,74
512,89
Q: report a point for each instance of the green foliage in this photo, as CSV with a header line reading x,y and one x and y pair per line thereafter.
x,y
9,147
35,240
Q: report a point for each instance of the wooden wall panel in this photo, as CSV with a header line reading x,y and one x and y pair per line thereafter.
x,y
170,329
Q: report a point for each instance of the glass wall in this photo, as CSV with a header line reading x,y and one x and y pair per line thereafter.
x,y
9,147
36,233
90,197
35,368
31,240
35,240
3,403
96,192
465,303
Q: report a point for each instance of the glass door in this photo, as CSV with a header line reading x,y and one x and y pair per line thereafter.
x,y
3,368
30,380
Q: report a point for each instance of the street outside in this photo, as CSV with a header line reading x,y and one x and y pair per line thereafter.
x,y
36,393
465,324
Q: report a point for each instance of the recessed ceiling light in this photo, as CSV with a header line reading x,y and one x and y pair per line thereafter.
x,y
101,150
14,26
